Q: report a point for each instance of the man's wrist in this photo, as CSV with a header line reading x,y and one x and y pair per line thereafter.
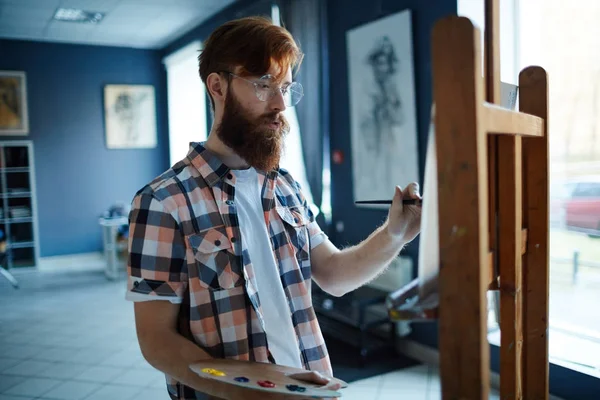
x,y
394,239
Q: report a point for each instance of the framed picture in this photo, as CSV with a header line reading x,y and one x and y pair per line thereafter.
x,y
130,116
14,117
383,118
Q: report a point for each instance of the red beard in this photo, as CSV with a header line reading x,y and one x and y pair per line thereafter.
x,y
252,138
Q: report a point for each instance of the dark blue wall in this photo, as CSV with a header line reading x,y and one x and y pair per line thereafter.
x,y
77,177
359,222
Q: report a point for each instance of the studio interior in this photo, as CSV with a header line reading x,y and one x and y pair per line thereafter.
x,y
491,106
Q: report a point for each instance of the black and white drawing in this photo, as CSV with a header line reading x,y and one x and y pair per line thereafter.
x,y
382,106
130,116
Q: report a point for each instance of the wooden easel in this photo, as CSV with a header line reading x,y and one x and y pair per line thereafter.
x,y
493,215
492,182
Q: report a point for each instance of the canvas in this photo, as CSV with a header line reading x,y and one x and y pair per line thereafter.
x,y
130,116
14,119
382,107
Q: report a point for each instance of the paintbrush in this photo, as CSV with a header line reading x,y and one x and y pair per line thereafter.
x,y
417,202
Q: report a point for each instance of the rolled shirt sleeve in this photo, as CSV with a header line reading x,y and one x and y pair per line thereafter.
x,y
156,264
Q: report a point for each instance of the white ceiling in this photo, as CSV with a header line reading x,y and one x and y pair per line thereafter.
x,y
147,24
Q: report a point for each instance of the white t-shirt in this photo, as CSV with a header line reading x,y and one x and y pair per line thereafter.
x,y
281,336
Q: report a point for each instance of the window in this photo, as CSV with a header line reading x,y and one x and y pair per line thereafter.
x,y
293,157
564,38
187,101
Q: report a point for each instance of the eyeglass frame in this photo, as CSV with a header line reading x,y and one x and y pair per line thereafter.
x,y
272,90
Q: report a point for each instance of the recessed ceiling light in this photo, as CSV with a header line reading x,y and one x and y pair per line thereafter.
x,y
75,15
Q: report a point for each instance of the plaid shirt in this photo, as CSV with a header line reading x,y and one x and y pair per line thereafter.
x,y
185,246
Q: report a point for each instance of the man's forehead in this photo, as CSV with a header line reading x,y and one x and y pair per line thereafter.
x,y
275,71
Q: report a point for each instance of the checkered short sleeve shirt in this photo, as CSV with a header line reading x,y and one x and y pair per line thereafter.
x,y
185,247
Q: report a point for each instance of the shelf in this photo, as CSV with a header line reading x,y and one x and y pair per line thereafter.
x,y
16,220
21,245
16,195
15,169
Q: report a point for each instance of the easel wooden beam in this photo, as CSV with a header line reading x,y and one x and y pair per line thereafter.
x,y
533,83
491,52
463,222
501,121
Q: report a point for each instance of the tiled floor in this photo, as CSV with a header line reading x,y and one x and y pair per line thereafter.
x,y
71,336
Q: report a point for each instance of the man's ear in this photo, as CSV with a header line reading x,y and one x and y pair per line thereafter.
x,y
216,86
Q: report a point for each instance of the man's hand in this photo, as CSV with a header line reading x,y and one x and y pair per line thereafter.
x,y
308,376
404,221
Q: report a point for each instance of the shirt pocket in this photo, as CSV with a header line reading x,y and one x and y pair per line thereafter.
x,y
295,222
217,267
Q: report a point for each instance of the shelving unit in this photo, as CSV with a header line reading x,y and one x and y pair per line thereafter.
x,y
18,205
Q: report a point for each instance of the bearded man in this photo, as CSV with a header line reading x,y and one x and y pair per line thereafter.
x,y
223,246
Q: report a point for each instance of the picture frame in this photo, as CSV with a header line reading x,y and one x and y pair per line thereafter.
x,y
130,116
14,110
383,111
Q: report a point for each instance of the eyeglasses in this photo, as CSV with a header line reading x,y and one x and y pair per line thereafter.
x,y
265,89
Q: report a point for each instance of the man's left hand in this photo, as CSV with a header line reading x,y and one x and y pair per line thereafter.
x,y
404,220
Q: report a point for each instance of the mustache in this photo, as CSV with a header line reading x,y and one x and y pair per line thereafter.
x,y
277,117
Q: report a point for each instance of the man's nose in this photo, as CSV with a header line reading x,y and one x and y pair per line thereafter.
x,y
277,101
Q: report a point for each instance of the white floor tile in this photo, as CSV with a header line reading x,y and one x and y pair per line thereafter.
x,y
23,351
33,387
152,394
114,392
401,394
28,368
7,397
72,390
52,354
138,377
8,362
87,356
8,381
66,371
99,374
413,379
360,393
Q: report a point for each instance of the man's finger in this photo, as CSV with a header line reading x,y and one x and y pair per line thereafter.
x,y
412,190
311,376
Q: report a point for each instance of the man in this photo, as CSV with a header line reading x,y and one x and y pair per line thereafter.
x,y
223,246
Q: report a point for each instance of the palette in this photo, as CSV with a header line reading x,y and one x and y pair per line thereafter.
x,y
264,377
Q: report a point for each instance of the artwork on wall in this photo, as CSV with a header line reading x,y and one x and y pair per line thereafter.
x,y
14,118
130,116
382,107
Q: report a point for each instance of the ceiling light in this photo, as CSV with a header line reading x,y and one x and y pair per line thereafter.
x,y
75,15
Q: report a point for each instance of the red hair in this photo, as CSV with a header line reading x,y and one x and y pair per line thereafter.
x,y
252,43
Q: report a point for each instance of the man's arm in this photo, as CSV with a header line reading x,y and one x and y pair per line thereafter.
x,y
162,346
169,352
339,272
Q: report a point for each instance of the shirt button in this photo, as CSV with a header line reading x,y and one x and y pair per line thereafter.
x,y
229,176
217,242
233,239
229,202
296,219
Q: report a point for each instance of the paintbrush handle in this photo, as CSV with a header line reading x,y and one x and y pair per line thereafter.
x,y
404,201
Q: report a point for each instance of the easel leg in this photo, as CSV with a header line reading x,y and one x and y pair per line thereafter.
x,y
463,219
533,83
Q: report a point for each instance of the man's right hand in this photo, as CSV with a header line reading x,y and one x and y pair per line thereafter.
x,y
313,377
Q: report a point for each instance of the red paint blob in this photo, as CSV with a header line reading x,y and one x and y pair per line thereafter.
x,y
267,384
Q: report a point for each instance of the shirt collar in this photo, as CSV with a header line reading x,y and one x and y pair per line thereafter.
x,y
210,166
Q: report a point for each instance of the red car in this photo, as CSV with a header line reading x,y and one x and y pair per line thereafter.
x,y
582,207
